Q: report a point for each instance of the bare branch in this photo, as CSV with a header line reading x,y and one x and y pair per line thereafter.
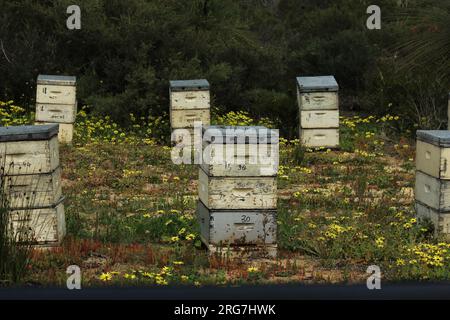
x,y
4,52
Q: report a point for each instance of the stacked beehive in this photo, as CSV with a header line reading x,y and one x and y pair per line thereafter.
x,y
56,102
238,190
29,158
189,103
432,188
318,102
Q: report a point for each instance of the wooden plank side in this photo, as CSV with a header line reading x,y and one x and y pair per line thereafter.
x,y
240,170
315,138
318,101
29,157
43,226
30,191
203,218
433,192
56,94
428,158
445,164
237,227
203,188
238,192
186,118
244,160
56,113
190,100
319,119
242,228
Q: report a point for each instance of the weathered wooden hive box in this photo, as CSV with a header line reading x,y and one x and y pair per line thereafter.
x,y
56,103
433,192
234,177
31,174
238,189
29,149
318,102
189,102
237,227
44,226
432,188
38,190
256,155
56,90
235,192
56,113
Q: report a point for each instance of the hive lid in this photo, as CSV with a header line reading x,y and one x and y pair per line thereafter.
x,y
240,134
439,138
28,133
56,80
189,85
322,83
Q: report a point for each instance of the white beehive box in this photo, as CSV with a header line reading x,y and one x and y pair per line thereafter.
x,y
315,138
43,226
441,221
34,190
317,93
254,154
433,192
237,227
29,149
311,119
56,113
187,117
433,153
318,102
56,90
65,133
189,94
189,102
237,192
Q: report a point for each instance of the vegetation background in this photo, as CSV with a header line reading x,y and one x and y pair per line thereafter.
x,y
131,217
250,51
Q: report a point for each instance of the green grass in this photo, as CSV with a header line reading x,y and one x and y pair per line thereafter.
x,y
131,219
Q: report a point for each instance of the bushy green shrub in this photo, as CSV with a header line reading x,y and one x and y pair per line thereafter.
x,y
250,51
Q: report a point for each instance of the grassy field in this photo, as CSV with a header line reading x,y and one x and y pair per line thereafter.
x,y
130,212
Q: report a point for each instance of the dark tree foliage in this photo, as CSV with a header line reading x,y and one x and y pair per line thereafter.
x,y
250,51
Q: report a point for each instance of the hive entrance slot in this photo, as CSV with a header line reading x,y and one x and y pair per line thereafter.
x,y
244,226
